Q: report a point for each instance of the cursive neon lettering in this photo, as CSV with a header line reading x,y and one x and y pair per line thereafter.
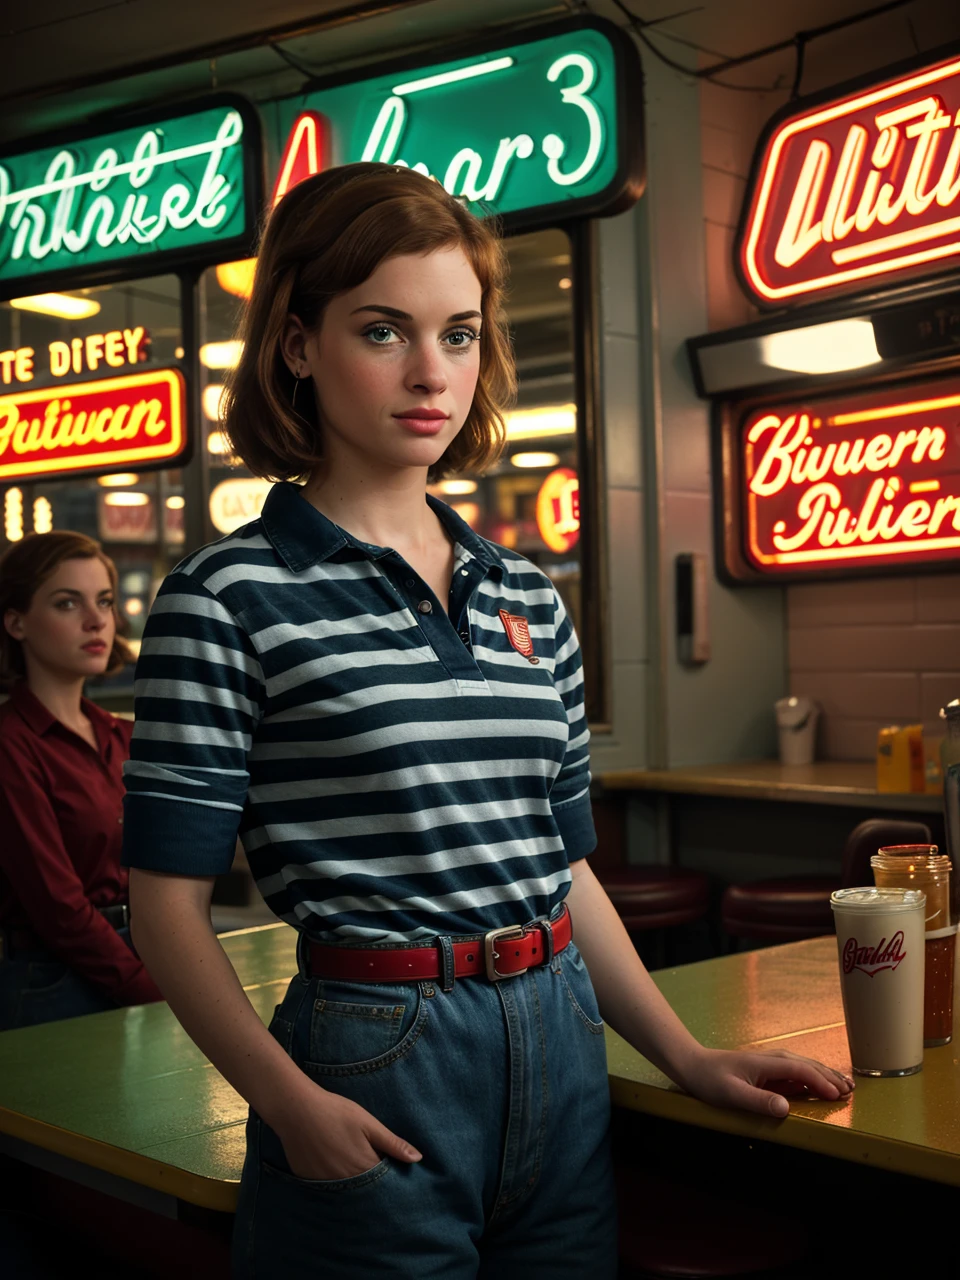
x,y
40,232
464,172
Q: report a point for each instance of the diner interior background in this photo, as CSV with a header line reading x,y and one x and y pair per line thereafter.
x,y
139,518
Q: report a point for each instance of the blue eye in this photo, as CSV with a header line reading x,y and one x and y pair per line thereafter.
x,y
380,334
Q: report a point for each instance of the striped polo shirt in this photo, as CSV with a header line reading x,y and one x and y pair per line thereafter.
x,y
394,771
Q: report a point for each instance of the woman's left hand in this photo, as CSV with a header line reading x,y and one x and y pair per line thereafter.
x,y
762,1082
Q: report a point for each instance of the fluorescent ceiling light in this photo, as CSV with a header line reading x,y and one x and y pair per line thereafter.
x,y
457,486
822,348
535,459
221,355
58,304
176,502
550,420
126,499
122,480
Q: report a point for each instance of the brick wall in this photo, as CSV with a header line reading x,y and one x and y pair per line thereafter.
x,y
876,652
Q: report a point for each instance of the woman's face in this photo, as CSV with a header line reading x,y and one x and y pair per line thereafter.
x,y
395,361
69,627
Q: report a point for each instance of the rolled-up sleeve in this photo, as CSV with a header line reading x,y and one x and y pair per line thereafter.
x,y
197,698
570,794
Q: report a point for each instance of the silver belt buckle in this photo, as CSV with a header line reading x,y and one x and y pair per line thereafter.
x,y
510,932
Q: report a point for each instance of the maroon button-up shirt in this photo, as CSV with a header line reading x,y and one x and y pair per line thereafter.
x,y
60,837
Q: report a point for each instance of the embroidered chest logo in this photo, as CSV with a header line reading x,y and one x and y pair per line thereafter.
x,y
518,633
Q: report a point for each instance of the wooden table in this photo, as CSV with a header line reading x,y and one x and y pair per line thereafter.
x,y
125,1100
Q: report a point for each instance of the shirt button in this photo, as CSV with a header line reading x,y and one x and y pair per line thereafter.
x,y
464,573
424,607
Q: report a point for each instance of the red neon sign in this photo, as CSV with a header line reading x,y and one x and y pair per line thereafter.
x,y
857,191
558,509
851,481
303,155
86,426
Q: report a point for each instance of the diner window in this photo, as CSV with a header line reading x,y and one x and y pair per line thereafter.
x,y
138,516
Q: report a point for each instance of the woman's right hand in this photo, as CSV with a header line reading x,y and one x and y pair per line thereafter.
x,y
331,1137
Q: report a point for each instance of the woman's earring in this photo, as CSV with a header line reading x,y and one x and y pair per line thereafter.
x,y
296,384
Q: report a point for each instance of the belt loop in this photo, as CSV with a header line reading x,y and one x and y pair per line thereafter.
x,y
447,964
547,931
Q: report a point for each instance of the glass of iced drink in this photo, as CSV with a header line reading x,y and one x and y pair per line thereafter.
x,y
880,941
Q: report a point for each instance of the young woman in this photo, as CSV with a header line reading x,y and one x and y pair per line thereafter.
x,y
63,893
390,709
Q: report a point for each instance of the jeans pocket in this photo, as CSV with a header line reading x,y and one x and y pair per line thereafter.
x,y
579,988
368,1030
45,978
355,1183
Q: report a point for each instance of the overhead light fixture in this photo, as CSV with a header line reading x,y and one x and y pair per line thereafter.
x,y
133,608
822,348
550,420
535,459
126,499
453,487
62,305
176,502
212,398
122,480
221,355
565,283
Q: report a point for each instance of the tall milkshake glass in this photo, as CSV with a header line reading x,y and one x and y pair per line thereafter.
x,y
880,941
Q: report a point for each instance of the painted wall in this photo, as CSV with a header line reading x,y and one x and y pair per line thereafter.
x,y
654,289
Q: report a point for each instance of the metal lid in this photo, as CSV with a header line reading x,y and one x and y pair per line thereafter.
x,y
869,898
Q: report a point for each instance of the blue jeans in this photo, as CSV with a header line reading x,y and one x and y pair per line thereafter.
x,y
501,1086
36,987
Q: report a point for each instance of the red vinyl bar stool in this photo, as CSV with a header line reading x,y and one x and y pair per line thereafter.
x,y
656,898
799,907
670,1230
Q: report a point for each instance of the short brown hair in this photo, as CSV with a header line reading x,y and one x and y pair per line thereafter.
x,y
26,566
325,237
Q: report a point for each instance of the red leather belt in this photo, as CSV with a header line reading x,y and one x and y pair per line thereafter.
x,y
500,953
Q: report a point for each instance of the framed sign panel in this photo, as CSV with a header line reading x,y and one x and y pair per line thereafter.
x,y
839,485
856,189
178,185
548,125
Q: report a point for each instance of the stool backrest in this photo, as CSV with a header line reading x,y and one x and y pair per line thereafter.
x,y
864,841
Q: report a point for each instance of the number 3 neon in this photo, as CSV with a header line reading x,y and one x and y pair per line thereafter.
x,y
553,146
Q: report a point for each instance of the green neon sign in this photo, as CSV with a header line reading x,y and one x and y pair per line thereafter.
x,y
177,186
551,123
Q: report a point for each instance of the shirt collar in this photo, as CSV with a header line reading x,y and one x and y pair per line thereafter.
x,y
36,716
303,536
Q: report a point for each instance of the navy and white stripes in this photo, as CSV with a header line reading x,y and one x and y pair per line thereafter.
x,y
388,780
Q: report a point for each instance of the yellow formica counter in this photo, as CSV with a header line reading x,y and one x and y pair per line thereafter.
x,y
839,782
128,1094
788,997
